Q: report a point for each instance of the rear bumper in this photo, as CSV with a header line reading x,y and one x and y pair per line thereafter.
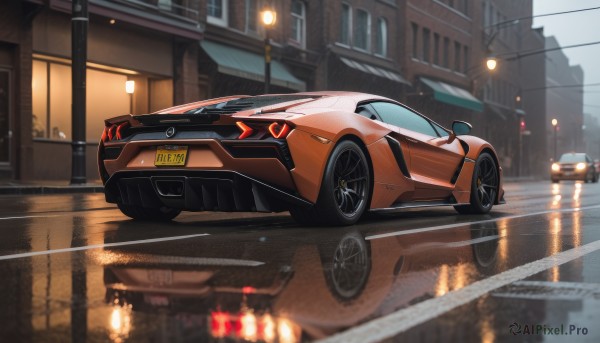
x,y
199,190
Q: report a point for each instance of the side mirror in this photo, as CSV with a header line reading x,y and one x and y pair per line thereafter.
x,y
461,128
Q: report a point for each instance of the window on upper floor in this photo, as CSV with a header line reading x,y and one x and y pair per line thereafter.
x,y
251,16
436,49
299,23
362,30
465,59
346,24
426,34
457,53
446,52
216,12
415,39
382,37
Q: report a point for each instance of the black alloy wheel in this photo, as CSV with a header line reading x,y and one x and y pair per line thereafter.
x,y
484,186
350,181
345,189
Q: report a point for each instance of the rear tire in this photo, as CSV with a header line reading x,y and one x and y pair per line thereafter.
x,y
484,186
345,189
145,213
555,180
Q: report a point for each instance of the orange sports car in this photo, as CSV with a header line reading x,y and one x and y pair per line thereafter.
x,y
327,157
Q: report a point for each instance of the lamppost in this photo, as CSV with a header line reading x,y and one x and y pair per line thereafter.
x,y
555,126
268,17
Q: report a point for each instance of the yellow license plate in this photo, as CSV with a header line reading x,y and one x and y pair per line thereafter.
x,y
171,155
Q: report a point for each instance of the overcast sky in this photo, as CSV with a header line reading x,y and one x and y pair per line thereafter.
x,y
576,28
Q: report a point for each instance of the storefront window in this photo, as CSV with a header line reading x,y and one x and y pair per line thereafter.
x,y
105,97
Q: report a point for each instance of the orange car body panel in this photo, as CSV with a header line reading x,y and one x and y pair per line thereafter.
x,y
202,155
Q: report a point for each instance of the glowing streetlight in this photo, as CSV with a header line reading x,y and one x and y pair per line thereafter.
x,y
491,63
129,86
268,17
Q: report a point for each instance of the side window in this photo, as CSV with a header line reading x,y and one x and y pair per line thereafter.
x,y
440,130
403,117
367,111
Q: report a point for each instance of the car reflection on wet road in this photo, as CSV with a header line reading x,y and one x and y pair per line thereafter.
x,y
75,269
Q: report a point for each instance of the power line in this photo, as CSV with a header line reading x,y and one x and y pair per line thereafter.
x,y
535,52
561,86
516,20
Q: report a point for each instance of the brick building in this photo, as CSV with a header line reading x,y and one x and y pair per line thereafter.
x,y
151,43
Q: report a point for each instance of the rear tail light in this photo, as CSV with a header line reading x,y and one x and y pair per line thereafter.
x,y
279,131
255,130
246,130
115,131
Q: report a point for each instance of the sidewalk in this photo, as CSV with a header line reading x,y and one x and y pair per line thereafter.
x,y
48,187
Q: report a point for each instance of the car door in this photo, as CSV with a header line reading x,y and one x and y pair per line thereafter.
x,y
434,159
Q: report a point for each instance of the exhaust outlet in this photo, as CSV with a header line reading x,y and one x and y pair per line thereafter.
x,y
169,188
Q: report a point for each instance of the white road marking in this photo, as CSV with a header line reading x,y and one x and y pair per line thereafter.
x,y
405,319
451,226
98,246
25,217
547,290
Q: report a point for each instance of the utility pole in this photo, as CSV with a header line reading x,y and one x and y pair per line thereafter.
x,y
79,28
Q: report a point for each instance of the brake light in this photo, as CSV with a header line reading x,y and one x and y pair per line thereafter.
x,y
111,132
114,132
279,131
246,130
120,129
104,135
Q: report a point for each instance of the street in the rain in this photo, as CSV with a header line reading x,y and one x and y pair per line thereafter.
x,y
75,269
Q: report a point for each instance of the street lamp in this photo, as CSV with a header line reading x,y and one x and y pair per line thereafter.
x,y
268,18
491,63
130,89
555,126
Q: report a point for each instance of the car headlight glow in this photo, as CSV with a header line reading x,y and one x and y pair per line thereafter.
x,y
580,166
555,167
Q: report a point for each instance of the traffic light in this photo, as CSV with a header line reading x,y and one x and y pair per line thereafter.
x,y
522,125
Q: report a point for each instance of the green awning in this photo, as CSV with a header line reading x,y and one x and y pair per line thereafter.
x,y
373,70
251,66
452,95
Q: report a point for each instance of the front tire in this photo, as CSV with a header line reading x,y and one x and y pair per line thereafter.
x,y
484,186
345,189
145,213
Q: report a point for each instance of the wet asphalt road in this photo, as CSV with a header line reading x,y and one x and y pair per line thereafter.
x,y
74,269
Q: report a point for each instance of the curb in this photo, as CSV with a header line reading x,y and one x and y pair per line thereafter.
x,y
26,190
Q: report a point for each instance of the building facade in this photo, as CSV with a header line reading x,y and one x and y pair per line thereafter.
x,y
151,43
428,54
565,104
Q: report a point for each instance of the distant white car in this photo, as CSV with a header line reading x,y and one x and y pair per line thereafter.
x,y
575,166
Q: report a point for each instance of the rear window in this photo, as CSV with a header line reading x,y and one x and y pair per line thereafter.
x,y
236,105
572,158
